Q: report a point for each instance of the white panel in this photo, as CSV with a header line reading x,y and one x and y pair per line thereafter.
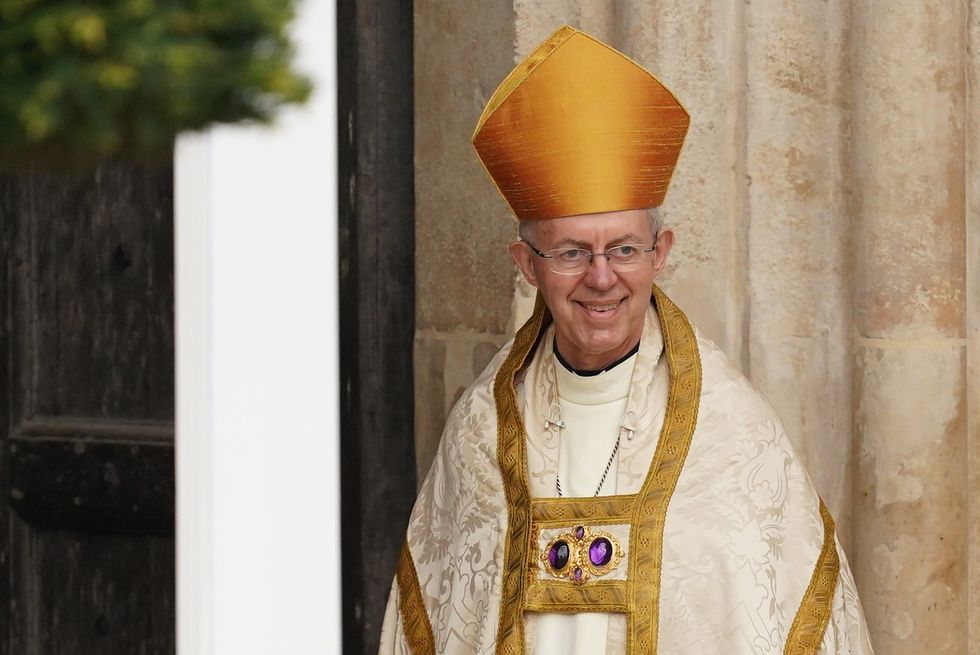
x,y
258,440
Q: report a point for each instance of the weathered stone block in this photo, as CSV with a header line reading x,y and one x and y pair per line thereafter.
x,y
910,551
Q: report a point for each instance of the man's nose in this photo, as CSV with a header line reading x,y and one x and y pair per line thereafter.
x,y
600,274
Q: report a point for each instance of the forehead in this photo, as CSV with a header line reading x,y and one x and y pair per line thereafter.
x,y
596,229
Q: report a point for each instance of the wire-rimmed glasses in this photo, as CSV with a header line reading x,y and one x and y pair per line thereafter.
x,y
575,261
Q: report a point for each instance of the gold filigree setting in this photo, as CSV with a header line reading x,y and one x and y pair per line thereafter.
x,y
582,553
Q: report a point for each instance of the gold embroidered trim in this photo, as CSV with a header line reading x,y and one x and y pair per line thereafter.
x,y
812,617
565,597
650,513
646,511
415,619
557,512
512,460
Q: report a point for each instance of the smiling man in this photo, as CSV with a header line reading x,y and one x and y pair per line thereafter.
x,y
610,483
597,301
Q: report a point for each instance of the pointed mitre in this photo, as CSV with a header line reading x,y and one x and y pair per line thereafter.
x,y
579,128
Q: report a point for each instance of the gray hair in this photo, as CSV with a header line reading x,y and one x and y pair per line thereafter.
x,y
525,227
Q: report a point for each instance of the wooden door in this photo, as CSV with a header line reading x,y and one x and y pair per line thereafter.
x,y
86,412
377,294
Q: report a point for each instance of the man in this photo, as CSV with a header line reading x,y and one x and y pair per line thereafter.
x,y
610,483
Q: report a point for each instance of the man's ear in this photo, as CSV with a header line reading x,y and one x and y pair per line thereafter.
x,y
664,242
522,257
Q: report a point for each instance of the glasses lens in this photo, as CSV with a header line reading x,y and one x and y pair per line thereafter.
x,y
624,256
570,260
573,261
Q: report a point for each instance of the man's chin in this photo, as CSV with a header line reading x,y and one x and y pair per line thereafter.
x,y
605,346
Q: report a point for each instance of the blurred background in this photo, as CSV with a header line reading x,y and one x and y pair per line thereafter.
x,y
826,208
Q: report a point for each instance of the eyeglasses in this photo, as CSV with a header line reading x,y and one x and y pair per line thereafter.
x,y
575,261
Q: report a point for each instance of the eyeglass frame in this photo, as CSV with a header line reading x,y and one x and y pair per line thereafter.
x,y
591,255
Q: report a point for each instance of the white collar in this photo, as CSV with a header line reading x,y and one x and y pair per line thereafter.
x,y
598,389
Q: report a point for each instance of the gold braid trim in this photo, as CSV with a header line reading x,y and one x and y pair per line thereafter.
x,y
650,512
415,619
512,460
557,512
812,617
563,597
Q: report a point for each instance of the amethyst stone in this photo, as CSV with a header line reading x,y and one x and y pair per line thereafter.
x,y
577,574
558,555
579,532
600,551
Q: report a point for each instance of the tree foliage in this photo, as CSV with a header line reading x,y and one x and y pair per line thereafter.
x,y
84,80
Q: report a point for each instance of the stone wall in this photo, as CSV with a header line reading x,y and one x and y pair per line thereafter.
x,y
972,396
827,217
463,283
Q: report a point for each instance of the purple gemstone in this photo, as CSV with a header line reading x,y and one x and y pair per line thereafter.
x,y
577,574
558,555
579,532
600,551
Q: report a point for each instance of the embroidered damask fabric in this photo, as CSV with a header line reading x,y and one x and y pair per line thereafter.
x,y
727,547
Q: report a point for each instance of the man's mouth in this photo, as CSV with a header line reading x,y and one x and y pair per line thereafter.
x,y
601,307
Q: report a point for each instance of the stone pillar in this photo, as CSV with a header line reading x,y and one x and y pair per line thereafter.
x,y
908,185
695,48
464,283
798,232
973,319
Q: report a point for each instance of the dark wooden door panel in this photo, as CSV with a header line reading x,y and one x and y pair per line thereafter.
x,y
91,485
79,601
87,461
93,278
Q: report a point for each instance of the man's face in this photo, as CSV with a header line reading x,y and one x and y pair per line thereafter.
x,y
598,313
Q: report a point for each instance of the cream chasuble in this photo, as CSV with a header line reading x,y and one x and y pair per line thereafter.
x,y
713,542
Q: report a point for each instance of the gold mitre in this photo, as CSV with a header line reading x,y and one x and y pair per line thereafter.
x,y
579,128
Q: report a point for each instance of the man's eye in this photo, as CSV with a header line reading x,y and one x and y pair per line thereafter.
x,y
571,255
625,251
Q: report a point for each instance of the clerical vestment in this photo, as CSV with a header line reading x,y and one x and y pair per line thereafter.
x,y
714,542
